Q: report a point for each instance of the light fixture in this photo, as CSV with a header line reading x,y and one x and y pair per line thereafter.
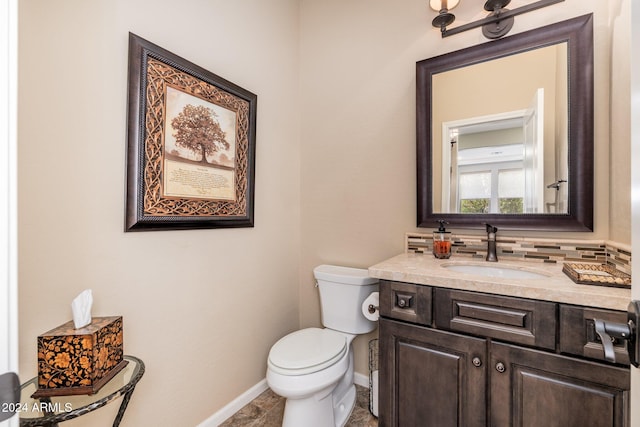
x,y
495,25
443,7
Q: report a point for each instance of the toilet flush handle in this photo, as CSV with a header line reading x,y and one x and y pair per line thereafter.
x,y
372,308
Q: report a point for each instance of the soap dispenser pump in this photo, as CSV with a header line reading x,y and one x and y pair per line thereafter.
x,y
442,241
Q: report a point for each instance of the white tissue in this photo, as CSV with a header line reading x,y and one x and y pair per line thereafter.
x,y
374,300
81,308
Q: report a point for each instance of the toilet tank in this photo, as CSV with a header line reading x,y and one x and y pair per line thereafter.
x,y
342,292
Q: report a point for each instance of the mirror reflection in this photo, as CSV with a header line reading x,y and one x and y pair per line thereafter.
x,y
500,135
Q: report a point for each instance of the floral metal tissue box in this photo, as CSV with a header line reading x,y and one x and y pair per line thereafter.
x,y
79,361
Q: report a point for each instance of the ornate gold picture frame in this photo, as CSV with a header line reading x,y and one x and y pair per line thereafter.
x,y
191,145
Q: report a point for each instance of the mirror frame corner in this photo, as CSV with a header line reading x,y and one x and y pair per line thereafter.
x,y
578,33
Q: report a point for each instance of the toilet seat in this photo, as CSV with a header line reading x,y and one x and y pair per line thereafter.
x,y
307,351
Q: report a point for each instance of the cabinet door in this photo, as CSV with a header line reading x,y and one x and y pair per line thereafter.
x,y
530,388
430,378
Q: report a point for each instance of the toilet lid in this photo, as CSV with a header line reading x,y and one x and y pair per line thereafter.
x,y
307,350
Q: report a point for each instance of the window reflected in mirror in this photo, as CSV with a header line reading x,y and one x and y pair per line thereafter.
x,y
504,135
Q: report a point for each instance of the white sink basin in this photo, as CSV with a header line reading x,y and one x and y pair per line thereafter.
x,y
506,272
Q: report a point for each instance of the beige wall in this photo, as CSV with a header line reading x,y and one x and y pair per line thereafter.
x,y
620,146
201,307
335,174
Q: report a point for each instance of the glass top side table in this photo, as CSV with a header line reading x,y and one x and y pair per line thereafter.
x,y
49,411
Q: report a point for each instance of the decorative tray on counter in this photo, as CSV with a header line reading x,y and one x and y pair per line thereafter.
x,y
596,274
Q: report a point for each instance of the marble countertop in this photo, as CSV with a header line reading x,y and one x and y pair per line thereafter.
x,y
424,269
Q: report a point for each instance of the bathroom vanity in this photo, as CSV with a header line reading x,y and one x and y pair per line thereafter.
x,y
468,349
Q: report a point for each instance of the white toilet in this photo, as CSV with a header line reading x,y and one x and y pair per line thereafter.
x,y
313,367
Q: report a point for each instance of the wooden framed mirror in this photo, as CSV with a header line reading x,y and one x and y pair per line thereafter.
x,y
505,132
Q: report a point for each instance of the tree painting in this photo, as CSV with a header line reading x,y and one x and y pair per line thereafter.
x,y
197,129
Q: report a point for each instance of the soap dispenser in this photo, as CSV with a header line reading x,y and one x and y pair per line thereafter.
x,y
442,241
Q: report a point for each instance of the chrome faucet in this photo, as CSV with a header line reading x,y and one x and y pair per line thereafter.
x,y
492,256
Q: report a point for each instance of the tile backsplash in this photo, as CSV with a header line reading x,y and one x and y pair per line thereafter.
x,y
531,249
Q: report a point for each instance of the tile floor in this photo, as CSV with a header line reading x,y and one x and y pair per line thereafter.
x,y
266,411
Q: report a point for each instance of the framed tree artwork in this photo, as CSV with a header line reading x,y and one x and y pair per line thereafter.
x,y
191,145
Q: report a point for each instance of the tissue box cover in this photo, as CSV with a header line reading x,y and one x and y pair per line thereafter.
x,y
79,361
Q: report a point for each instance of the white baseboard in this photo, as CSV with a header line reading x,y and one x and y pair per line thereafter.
x,y
361,379
239,402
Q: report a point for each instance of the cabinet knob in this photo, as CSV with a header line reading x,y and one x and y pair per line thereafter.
x,y
500,367
404,300
477,362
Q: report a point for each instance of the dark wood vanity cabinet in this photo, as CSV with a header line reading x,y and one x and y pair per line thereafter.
x,y
428,377
488,360
535,388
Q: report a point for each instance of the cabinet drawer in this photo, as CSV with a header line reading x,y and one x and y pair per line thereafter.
x,y
405,301
516,320
578,334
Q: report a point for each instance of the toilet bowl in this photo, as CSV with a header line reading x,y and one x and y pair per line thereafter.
x,y
313,367
310,381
